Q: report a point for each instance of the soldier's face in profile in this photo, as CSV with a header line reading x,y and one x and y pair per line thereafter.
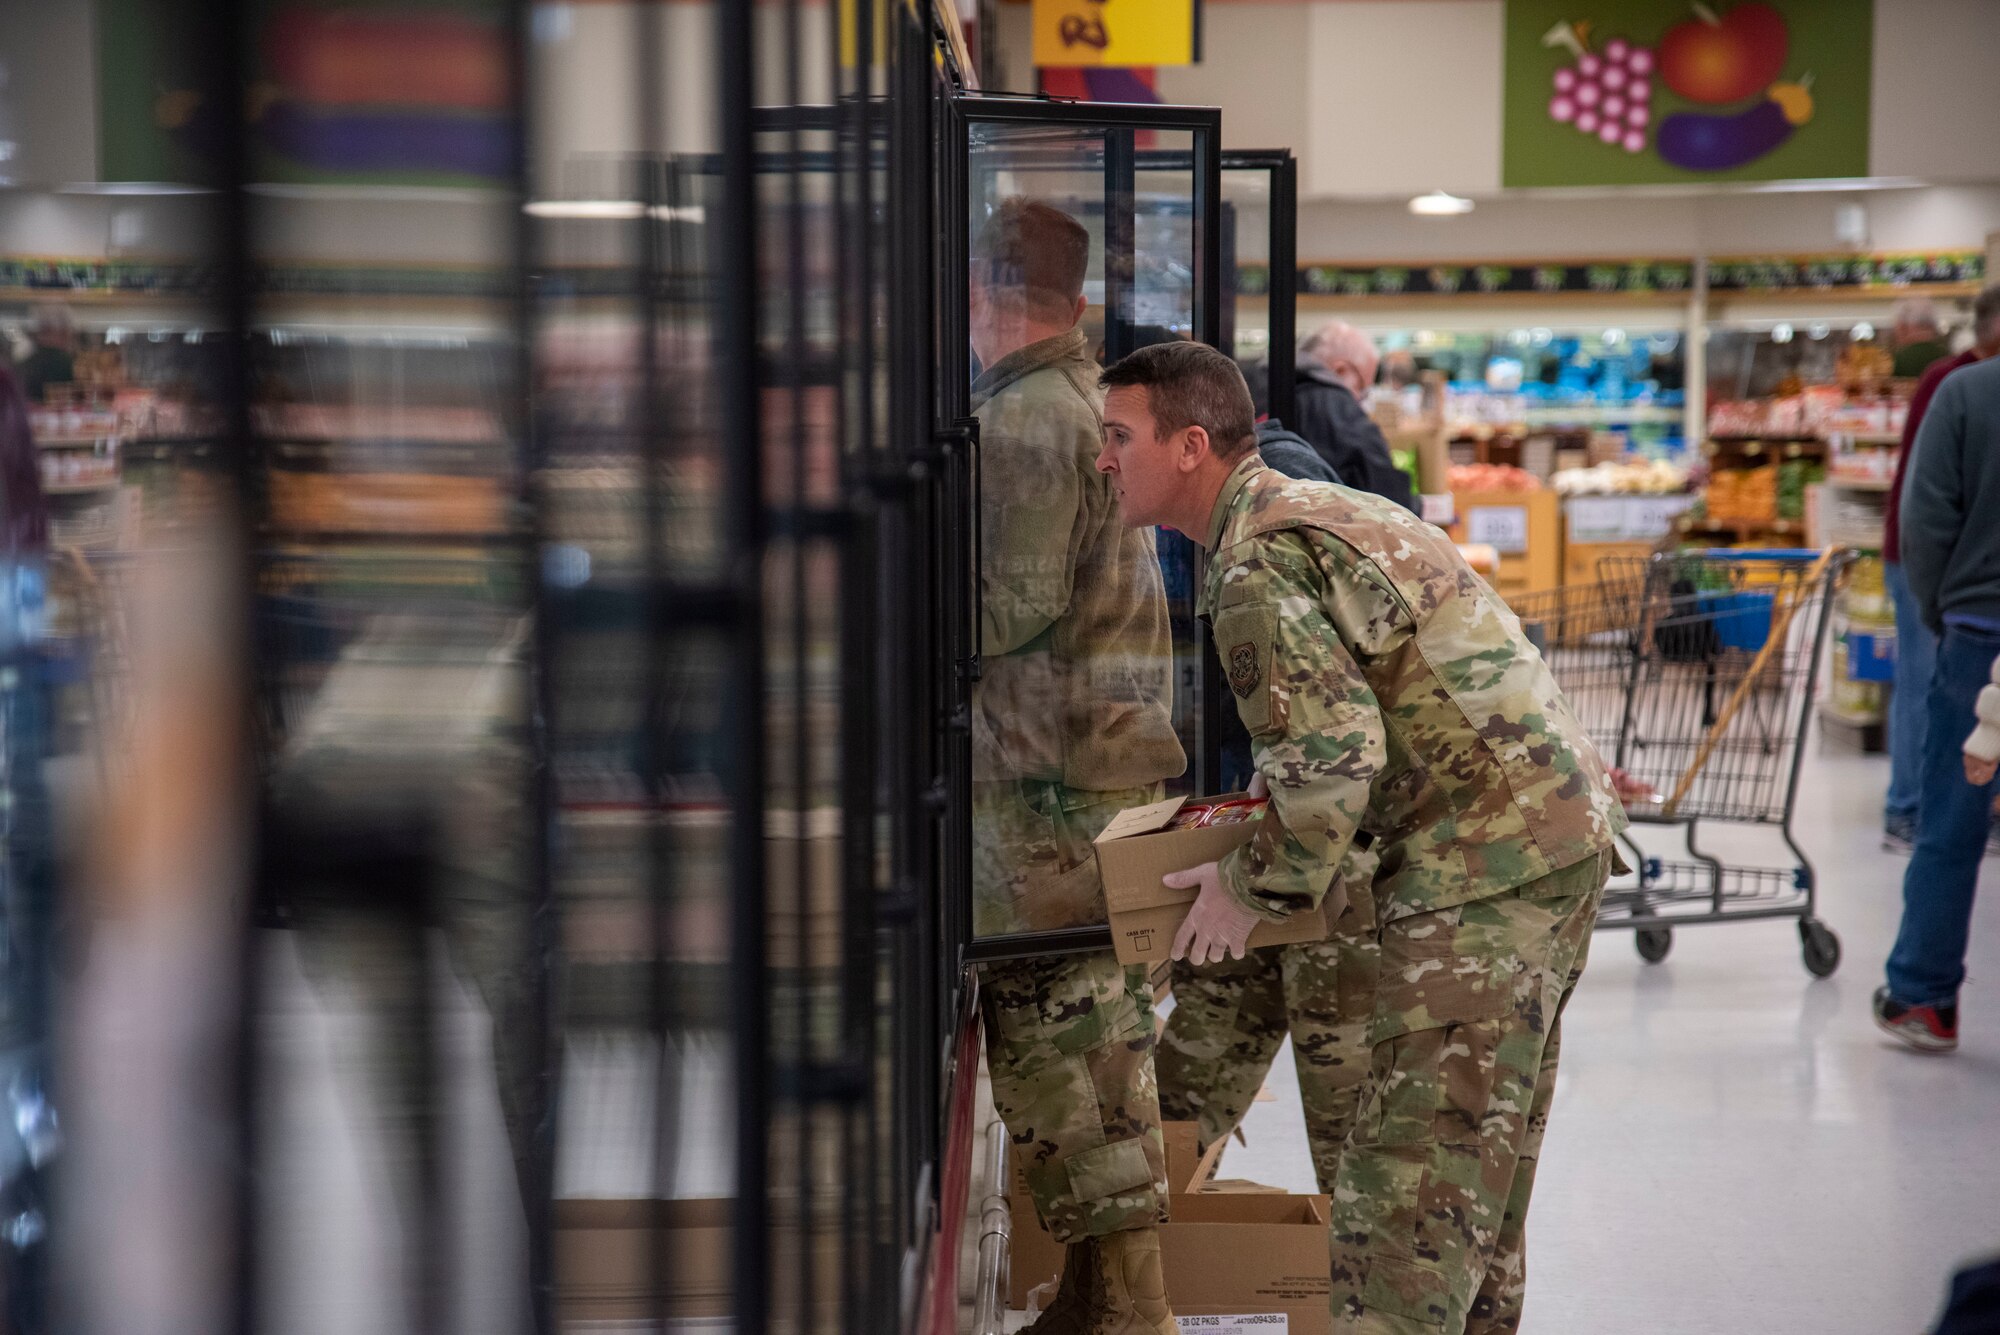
x,y
1139,463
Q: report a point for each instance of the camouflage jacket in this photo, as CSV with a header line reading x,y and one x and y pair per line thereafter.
x,y
1388,689
1078,659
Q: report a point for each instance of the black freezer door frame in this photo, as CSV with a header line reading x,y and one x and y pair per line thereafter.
x,y
1283,250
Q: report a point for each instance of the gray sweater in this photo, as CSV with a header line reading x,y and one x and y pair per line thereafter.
x,y
1951,501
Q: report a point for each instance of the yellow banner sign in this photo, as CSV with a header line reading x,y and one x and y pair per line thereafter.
x,y
1114,32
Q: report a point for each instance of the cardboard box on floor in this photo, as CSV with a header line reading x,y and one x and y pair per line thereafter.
x,y
605,1269
611,1253
1225,1252
1136,850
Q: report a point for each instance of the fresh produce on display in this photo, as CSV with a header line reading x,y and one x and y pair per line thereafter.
x,y
1648,477
1864,364
1493,477
1794,476
1743,495
1821,411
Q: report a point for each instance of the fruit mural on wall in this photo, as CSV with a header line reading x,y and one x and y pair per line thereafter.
x,y
1673,88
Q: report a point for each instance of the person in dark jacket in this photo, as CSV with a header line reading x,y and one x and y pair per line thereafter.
x,y
1291,454
1336,365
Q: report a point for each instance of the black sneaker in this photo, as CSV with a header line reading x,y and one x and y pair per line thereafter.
x,y
1925,1028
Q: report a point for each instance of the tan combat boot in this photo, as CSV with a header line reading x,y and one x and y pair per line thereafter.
x,y
1131,1288
1070,1312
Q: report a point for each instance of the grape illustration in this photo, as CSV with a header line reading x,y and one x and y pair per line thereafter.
x,y
1606,93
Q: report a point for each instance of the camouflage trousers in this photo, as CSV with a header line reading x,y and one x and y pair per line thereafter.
x,y
1033,867
1069,1038
1431,1201
1229,1020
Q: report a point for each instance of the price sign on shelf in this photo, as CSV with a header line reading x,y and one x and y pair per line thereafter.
x,y
1624,518
1114,32
1596,519
1504,528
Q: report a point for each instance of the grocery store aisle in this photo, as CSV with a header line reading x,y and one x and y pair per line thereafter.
x,y
1735,1147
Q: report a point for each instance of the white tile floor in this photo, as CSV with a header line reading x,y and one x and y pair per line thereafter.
x,y
1734,1147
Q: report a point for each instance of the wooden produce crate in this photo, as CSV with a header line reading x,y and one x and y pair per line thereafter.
x,y
1523,527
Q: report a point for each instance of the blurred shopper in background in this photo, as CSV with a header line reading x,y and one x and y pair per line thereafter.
x,y
1337,364
27,870
1916,646
414,744
53,361
1951,556
1919,337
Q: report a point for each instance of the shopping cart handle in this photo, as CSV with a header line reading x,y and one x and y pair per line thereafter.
x,y
1755,553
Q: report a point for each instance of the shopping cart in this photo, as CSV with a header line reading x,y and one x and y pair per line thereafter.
x,y
1695,674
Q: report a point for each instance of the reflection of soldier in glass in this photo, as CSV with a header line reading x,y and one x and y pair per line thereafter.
x,y
1071,725
417,726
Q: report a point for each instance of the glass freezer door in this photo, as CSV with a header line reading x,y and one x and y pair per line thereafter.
x,y
1076,234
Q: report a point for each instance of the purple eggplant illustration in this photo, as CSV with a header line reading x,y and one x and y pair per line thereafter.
x,y
1700,142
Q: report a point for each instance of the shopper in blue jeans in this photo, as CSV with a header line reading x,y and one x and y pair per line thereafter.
x,y
1916,643
1951,554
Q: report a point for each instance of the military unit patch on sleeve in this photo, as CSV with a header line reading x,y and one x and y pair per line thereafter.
x,y
1246,669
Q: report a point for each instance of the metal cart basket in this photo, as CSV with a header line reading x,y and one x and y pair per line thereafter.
x,y
1695,673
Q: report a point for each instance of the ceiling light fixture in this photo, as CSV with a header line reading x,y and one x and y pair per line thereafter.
x,y
130,188
616,210
584,208
1439,204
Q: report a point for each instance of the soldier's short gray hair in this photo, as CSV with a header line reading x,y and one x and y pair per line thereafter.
x,y
1191,384
1986,315
1339,341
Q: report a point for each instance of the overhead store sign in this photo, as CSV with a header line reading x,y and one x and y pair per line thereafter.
x,y
1861,273
1630,92
1758,273
1450,280
1116,32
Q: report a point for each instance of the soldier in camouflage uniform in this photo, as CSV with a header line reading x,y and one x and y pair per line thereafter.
x,y
1070,726
1388,691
